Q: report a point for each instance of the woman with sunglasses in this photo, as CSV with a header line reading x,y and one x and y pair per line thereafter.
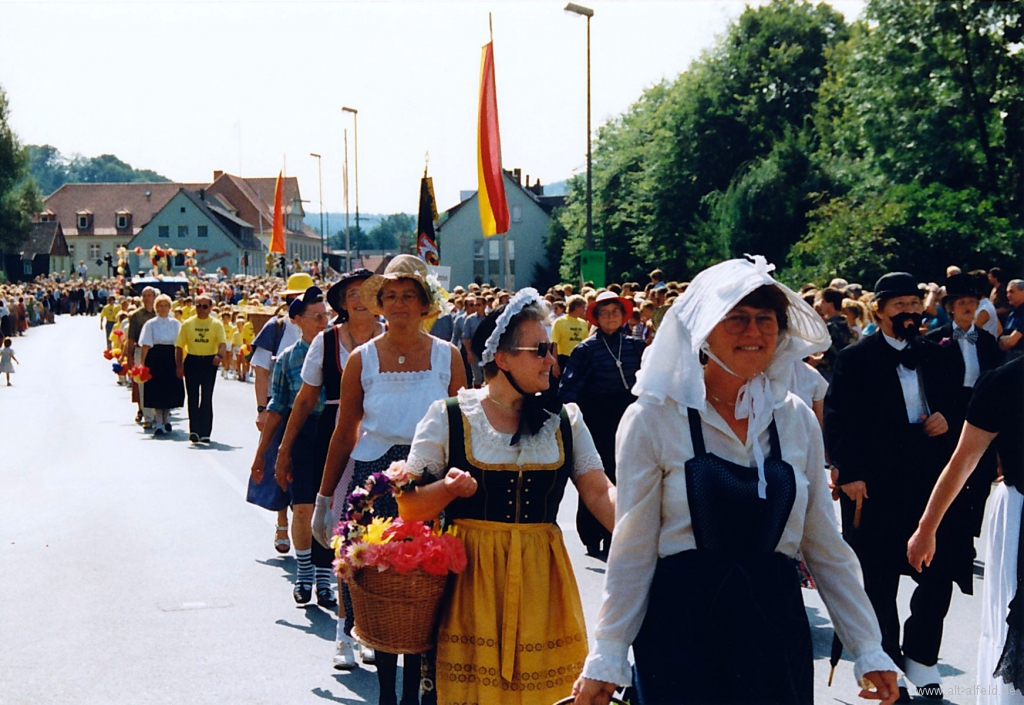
x,y
512,630
721,482
386,387
599,376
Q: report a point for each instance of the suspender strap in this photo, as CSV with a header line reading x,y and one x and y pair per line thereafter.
x,y
696,433
773,434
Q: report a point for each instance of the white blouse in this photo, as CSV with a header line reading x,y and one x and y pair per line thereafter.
x,y
159,331
430,446
313,366
652,520
394,402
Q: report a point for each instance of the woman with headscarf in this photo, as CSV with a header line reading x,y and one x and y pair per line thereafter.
x,y
599,376
721,482
322,370
512,630
387,386
164,391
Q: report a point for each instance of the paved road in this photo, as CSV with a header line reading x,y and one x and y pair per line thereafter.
x,y
133,571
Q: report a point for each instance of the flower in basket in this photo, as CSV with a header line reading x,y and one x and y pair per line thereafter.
x,y
108,355
363,540
141,374
118,368
138,250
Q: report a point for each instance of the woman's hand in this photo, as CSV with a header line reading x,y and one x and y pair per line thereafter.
x,y
459,483
885,690
587,691
256,471
283,468
921,549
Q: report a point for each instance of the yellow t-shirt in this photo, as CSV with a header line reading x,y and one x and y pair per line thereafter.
x,y
568,332
248,333
201,337
187,312
109,312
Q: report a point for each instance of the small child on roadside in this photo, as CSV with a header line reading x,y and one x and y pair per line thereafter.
x,y
6,358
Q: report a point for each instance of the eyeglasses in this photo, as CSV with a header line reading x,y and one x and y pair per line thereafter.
x,y
202,305
408,297
738,323
315,316
541,349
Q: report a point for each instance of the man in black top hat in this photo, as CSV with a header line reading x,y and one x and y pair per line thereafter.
x,y
973,352
887,431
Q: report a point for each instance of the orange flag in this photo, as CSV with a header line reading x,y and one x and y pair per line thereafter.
x,y
494,218
277,240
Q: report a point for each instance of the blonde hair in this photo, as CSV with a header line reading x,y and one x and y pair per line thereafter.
x,y
856,309
162,297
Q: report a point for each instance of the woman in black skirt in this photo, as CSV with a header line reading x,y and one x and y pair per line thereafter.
x,y
721,483
164,391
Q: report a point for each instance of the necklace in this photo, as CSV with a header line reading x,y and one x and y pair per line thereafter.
x,y
401,355
720,401
618,359
498,403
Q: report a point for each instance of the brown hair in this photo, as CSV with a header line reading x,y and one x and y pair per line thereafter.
x,y
768,296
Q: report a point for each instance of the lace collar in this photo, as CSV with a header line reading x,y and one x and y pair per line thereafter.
x,y
471,403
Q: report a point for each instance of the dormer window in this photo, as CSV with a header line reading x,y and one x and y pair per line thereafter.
x,y
46,216
84,220
124,219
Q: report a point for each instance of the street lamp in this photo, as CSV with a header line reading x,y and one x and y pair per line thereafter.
x,y
588,13
320,183
355,145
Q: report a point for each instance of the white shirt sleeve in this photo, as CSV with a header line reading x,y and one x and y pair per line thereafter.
x,y
313,366
146,334
262,358
634,549
584,452
429,452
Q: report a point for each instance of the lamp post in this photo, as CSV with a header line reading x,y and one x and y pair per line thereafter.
x,y
355,145
320,183
588,13
348,235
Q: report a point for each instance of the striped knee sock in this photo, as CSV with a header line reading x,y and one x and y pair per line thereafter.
x,y
324,578
305,573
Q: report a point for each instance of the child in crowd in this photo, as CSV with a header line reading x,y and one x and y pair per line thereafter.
x,y
6,358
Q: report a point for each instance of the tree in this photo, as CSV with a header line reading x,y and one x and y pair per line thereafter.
x,y
19,199
391,229
51,169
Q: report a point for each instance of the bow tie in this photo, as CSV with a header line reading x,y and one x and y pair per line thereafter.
x,y
971,337
906,357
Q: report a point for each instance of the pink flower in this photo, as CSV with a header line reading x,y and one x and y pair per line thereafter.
x,y
399,473
343,569
435,557
405,556
456,552
377,555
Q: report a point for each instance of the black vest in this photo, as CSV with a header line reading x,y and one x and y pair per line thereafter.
x,y
511,495
332,369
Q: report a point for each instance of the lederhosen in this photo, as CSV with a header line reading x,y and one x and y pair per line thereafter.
x,y
725,622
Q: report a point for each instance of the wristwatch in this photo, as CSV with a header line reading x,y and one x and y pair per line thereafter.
x,y
260,409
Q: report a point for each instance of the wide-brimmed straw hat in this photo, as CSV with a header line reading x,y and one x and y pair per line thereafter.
x,y
336,294
297,284
609,297
401,267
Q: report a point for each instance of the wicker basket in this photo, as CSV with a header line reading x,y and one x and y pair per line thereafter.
x,y
397,613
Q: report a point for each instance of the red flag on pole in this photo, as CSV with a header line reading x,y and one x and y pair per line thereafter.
x,y
494,218
426,242
277,239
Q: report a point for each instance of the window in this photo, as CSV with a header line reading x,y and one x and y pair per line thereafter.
x,y
122,221
182,209
201,230
182,231
478,260
26,266
83,222
179,260
517,214
164,231
94,250
494,260
511,244
71,251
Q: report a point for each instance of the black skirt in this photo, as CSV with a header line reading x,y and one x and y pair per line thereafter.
x,y
724,629
165,390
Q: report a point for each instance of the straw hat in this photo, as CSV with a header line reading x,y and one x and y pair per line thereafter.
x,y
401,267
336,294
297,284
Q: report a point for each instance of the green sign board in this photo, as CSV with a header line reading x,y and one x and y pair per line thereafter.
x,y
592,267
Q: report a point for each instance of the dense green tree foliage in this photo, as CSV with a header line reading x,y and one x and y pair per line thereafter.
x,y
51,169
19,198
841,149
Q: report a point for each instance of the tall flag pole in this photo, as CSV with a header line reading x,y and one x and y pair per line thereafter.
x,y
494,217
426,242
277,239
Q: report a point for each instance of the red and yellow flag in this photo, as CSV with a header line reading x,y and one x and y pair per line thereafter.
x,y
277,239
493,205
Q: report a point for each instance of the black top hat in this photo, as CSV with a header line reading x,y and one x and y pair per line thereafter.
x,y
958,286
336,294
894,284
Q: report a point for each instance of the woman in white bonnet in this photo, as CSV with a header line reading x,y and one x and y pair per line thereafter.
x,y
721,483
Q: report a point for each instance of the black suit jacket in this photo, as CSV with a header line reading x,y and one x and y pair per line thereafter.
x,y
989,354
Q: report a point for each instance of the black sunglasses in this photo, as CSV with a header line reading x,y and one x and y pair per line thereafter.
x,y
541,349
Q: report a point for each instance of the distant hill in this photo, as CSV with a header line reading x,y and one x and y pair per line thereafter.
x,y
333,222
559,188
51,169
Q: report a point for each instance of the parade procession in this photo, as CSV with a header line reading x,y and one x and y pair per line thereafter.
x,y
733,414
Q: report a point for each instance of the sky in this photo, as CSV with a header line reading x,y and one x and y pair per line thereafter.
x,y
254,86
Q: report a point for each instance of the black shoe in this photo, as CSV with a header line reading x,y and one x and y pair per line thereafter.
x,y
194,438
594,549
904,696
302,593
167,427
205,439
325,598
932,691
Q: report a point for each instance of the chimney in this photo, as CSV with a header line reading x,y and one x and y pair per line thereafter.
x,y
217,173
517,173
202,194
